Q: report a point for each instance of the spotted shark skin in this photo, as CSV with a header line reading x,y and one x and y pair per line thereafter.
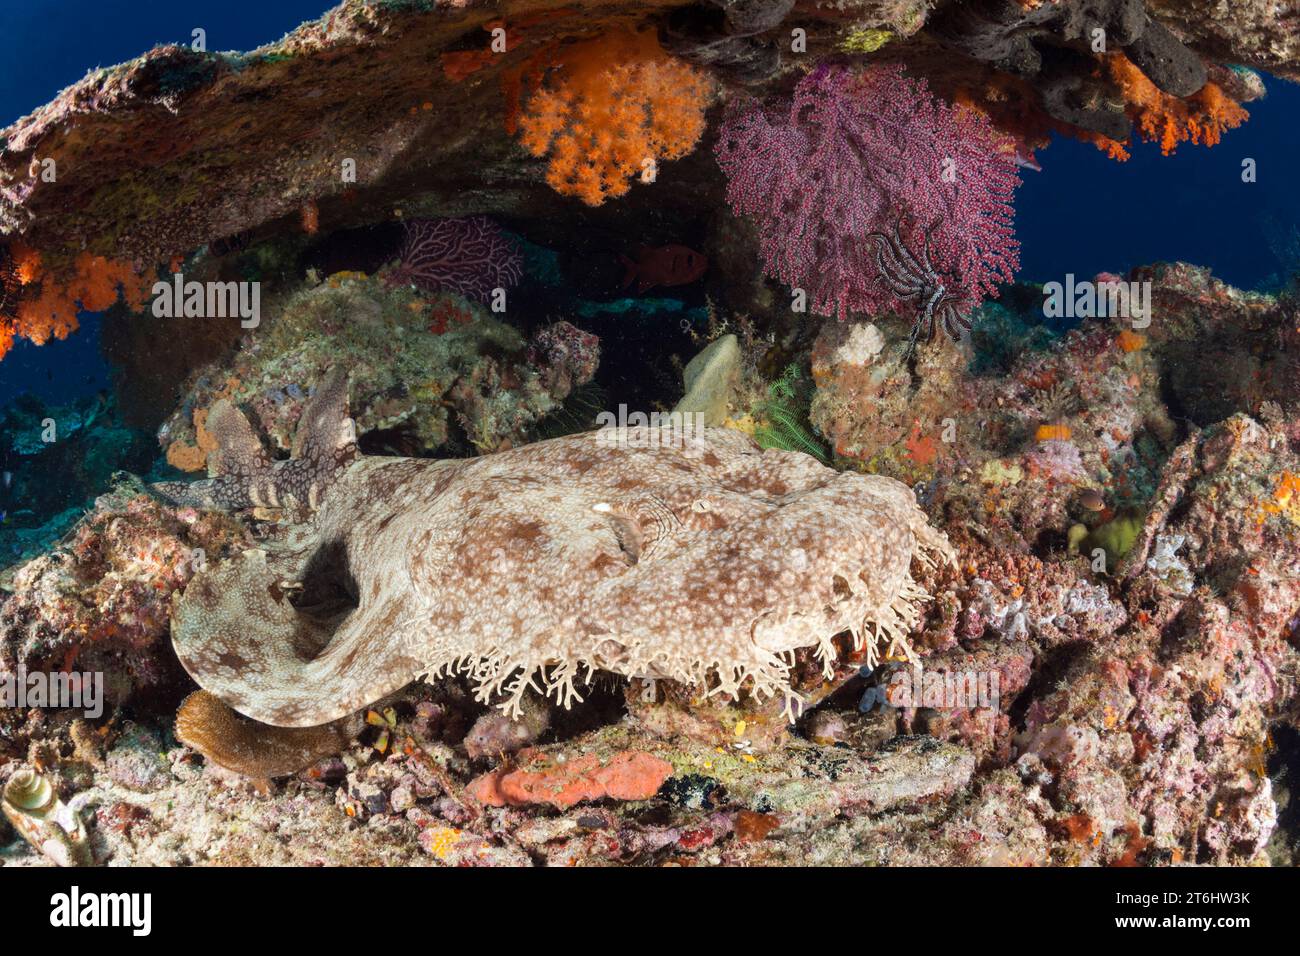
x,y
708,561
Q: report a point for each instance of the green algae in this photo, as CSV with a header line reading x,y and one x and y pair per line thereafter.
x,y
1116,537
866,41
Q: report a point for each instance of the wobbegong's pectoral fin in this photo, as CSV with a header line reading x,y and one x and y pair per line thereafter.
x,y
325,431
239,453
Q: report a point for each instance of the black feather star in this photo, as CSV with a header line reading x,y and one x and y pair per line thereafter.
x,y
914,278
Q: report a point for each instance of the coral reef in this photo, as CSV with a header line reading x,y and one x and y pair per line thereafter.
x,y
101,600
1030,437
180,148
1038,603
1033,40
1094,69
1131,724
423,366
1251,32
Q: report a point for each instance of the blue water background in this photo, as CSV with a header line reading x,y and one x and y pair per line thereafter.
x,y
47,45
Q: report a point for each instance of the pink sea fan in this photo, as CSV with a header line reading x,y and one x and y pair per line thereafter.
x,y
469,256
870,193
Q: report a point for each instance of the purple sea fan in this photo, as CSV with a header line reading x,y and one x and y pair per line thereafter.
x,y
870,193
470,256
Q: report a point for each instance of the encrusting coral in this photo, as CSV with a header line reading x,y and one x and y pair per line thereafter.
x,y
706,561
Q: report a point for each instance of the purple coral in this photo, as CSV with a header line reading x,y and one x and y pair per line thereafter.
x,y
470,256
859,162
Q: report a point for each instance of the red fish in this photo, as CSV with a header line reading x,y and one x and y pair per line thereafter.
x,y
663,265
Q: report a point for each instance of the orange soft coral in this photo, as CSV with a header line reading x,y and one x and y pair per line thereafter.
x,y
1010,104
1199,119
27,263
609,109
187,457
1158,117
47,307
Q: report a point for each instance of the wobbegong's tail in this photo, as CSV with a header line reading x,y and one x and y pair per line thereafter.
x,y
246,477
242,638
